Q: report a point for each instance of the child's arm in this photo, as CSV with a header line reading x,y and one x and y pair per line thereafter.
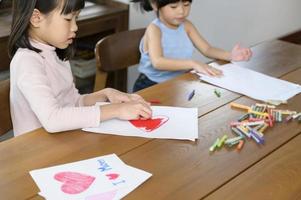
x,y
237,53
154,48
111,95
66,111
125,111
123,105
203,46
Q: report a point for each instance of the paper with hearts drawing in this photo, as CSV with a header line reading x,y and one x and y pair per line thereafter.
x,y
105,176
167,122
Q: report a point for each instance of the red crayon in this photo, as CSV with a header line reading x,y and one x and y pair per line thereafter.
x,y
154,101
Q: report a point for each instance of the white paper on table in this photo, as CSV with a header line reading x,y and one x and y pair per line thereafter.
x,y
172,123
105,176
253,84
137,178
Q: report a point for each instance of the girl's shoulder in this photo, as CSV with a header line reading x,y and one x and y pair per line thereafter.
x,y
27,54
152,29
188,26
26,58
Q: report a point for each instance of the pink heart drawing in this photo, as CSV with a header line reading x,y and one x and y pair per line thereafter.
x,y
112,176
74,182
149,125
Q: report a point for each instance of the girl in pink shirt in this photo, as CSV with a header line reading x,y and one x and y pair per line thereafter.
x,y
42,92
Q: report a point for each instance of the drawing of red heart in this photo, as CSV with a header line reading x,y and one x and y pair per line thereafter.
x,y
148,125
112,176
73,182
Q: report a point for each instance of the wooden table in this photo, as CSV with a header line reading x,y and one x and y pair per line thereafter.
x,y
181,169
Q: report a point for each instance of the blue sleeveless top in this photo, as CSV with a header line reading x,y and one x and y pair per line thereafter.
x,y
175,44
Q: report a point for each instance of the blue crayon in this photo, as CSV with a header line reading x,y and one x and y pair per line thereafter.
x,y
257,138
191,95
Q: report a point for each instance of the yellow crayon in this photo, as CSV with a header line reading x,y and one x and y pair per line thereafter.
x,y
262,129
287,112
240,106
259,113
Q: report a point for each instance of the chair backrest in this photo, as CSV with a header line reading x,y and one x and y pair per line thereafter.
x,y
115,53
5,119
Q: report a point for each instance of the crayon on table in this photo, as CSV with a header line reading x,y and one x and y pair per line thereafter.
x,y
217,93
212,148
258,113
221,142
240,145
262,129
191,95
240,106
155,101
234,140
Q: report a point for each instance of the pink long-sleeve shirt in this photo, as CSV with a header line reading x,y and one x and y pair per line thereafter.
x,y
42,93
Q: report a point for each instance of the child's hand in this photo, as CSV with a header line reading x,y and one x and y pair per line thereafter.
x,y
240,54
206,69
115,96
134,110
126,111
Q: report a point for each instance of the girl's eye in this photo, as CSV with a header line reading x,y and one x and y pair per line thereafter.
x,y
69,20
173,5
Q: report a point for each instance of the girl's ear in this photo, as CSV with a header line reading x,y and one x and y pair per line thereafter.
x,y
36,18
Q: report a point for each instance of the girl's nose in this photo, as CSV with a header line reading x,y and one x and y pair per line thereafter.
x,y
181,9
74,26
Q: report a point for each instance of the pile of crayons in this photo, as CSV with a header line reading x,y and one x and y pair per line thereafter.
x,y
252,125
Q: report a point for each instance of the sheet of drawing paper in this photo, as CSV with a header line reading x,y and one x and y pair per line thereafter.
x,y
166,122
105,176
253,84
136,177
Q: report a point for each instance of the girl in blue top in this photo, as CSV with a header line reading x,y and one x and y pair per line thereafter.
x,y
169,41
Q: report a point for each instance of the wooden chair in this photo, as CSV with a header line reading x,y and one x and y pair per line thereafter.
x,y
114,54
5,119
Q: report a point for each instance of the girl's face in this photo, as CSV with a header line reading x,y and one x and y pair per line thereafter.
x,y
173,14
57,29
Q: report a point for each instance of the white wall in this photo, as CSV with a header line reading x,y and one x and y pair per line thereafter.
x,y
226,22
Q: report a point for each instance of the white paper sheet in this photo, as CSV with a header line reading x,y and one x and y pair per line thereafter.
x,y
167,122
106,177
253,84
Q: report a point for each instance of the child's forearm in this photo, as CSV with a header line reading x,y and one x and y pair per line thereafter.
x,y
108,112
216,53
172,64
99,96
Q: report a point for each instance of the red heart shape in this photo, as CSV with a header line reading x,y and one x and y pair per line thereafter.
x,y
112,176
74,182
148,125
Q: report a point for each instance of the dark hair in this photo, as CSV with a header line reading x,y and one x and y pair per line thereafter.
x,y
146,4
22,12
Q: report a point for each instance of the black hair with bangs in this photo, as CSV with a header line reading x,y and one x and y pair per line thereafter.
x,y
146,4
22,12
